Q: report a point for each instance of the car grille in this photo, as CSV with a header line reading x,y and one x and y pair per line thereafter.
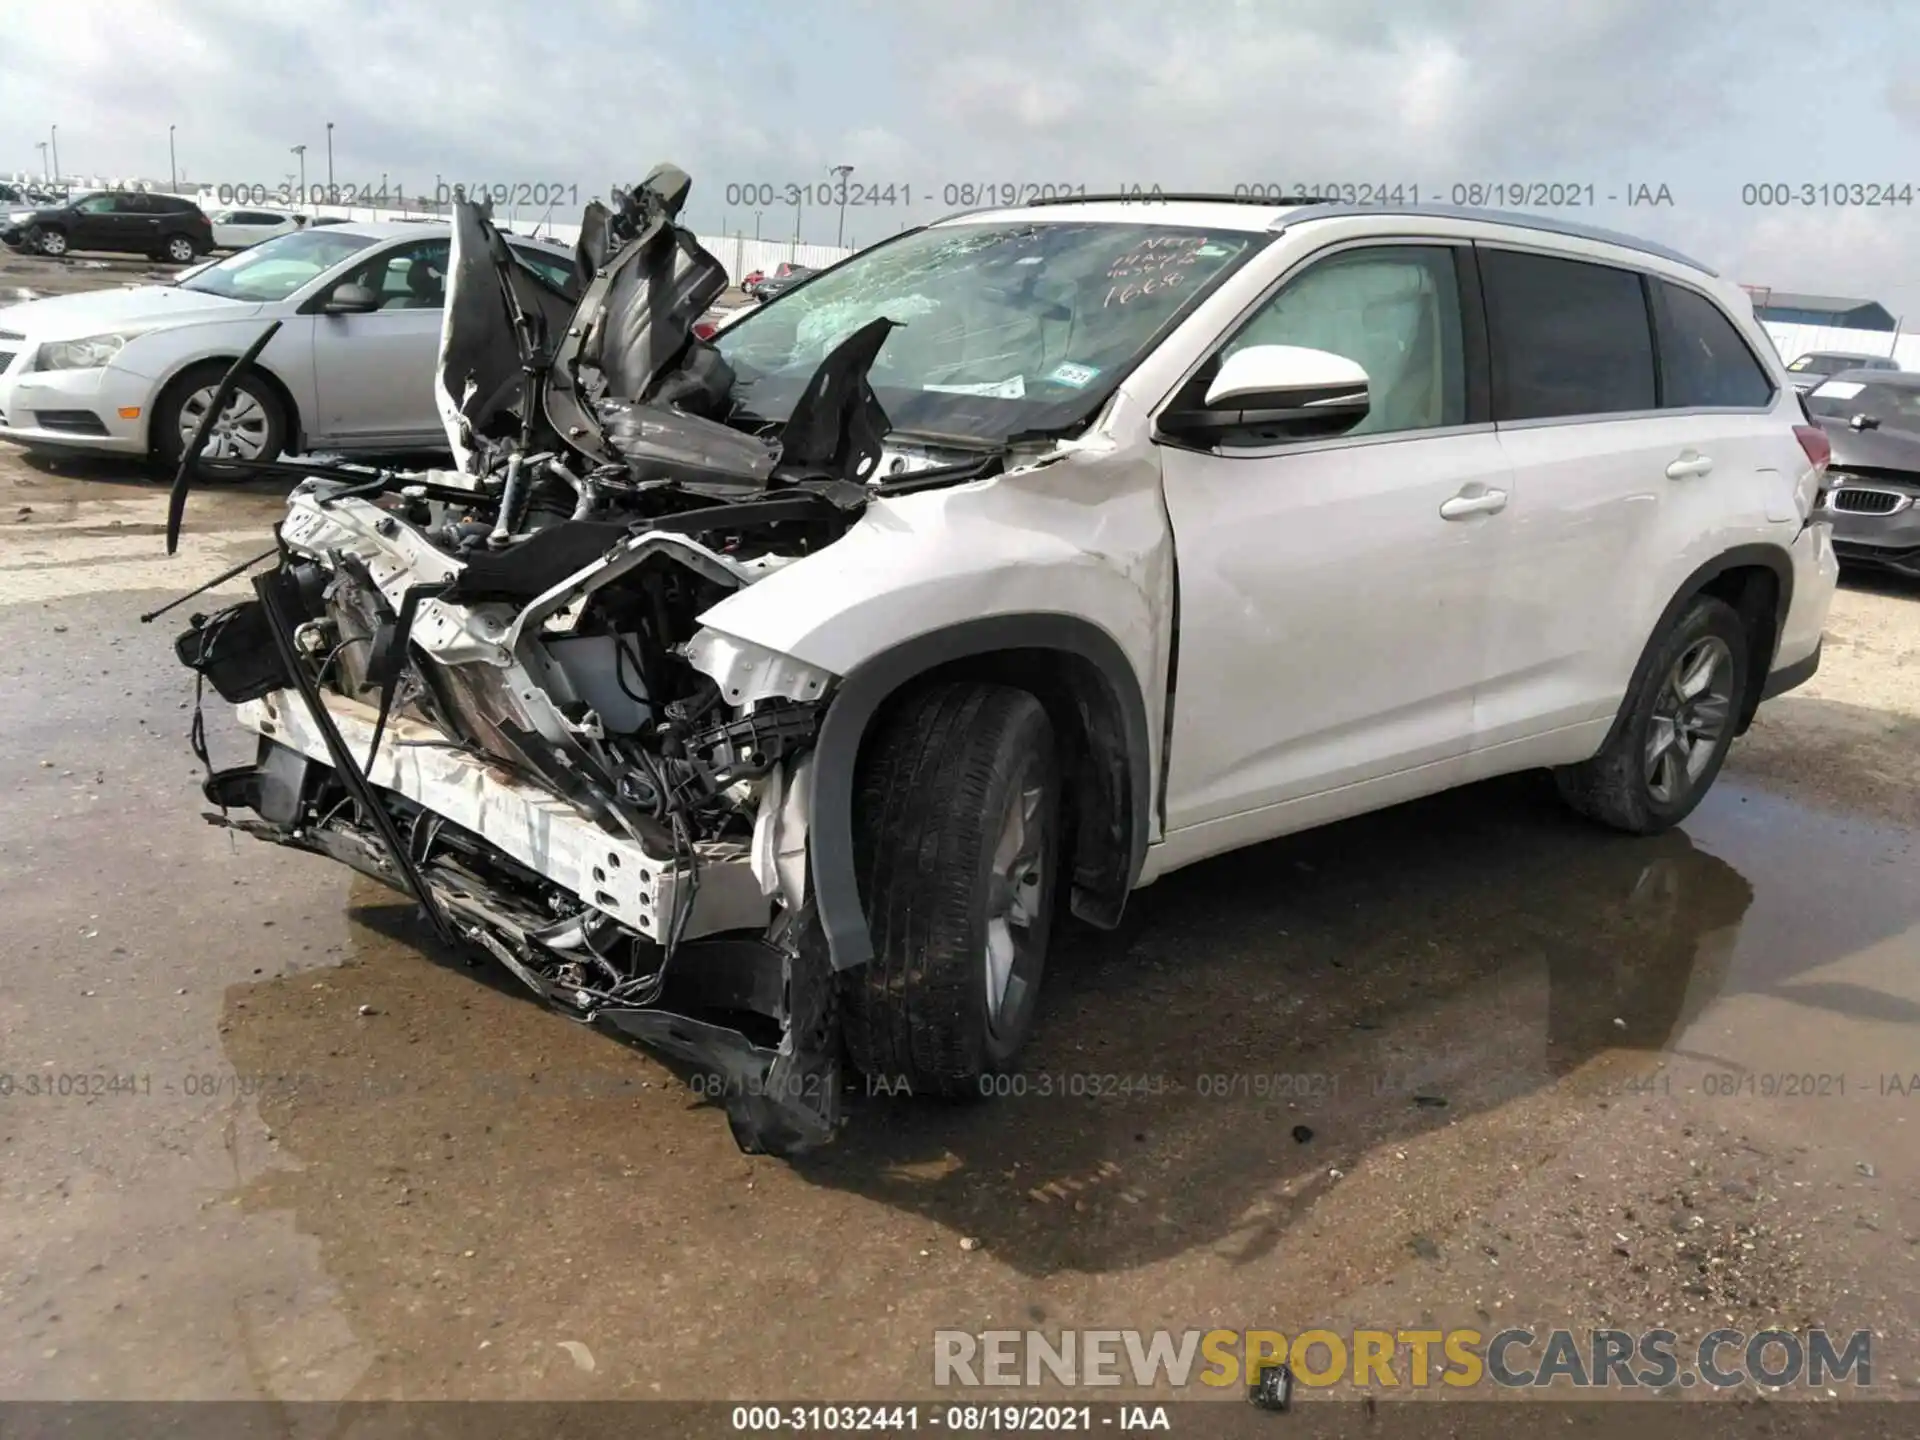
x,y
1854,501
6,359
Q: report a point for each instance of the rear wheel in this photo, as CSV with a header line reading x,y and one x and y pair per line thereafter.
x,y
955,843
1675,728
180,249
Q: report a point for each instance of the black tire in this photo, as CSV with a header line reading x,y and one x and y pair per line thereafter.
x,y
180,249
168,444
1621,786
933,800
49,240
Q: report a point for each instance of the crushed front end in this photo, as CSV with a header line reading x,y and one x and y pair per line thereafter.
x,y
489,685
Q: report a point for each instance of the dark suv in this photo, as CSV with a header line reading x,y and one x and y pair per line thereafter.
x,y
131,221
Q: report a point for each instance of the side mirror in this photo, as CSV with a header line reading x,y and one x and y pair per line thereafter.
x,y
1299,392
1864,422
350,300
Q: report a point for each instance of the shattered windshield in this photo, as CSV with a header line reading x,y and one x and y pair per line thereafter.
x,y
275,268
1004,327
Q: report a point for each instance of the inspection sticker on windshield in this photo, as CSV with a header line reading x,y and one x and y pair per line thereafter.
x,y
1069,373
1839,389
1014,389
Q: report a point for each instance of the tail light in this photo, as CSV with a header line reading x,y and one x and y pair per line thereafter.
x,y
1819,448
705,329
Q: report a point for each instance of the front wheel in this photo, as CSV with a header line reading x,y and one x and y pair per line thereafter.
x,y
955,845
1675,727
252,425
50,242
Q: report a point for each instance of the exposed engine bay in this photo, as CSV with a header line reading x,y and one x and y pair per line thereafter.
x,y
489,685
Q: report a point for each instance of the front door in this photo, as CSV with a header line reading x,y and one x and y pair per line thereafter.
x,y
95,224
373,373
1332,591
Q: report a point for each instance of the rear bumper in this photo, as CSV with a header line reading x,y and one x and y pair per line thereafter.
x,y
1790,677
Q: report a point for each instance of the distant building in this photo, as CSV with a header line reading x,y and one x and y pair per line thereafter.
x,y
1835,312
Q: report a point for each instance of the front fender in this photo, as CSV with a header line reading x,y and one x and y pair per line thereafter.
x,y
1074,555
161,355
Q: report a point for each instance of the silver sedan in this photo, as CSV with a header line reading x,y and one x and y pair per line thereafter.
x,y
131,371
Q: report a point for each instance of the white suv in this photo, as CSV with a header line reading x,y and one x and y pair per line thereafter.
x,y
761,696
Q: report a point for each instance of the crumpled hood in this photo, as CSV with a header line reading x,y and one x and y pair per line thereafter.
x,y
69,317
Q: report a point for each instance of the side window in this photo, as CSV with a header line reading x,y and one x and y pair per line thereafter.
x,y
408,277
554,270
96,205
1568,337
1395,311
1703,360
133,205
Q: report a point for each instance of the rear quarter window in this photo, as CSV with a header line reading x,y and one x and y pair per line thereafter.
x,y
1704,361
1568,337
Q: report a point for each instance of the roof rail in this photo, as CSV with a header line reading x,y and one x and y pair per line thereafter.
x,y
1146,198
1518,218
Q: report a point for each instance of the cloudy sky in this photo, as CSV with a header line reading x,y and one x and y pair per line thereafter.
x,y
1704,98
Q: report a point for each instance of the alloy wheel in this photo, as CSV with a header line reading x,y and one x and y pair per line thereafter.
x,y
1016,898
240,432
1691,713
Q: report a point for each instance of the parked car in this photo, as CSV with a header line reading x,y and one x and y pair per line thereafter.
x,y
1810,369
750,282
131,371
1022,558
1872,419
237,229
133,222
782,280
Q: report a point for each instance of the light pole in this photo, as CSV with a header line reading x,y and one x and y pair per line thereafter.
x,y
843,171
301,151
173,164
329,160
53,134
756,226
41,146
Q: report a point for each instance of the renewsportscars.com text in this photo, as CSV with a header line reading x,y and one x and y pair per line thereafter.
x,y
1512,1358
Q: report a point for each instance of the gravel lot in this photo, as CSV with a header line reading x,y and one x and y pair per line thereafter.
x,y
1539,1065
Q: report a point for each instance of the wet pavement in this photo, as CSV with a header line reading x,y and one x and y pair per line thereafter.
x,y
1465,1062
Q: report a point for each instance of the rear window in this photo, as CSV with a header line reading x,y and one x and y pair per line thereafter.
x,y
1703,359
1568,337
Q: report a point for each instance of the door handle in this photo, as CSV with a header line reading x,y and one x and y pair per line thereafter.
x,y
1689,466
1486,502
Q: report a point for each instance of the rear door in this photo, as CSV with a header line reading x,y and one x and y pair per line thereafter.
x,y
374,373
1616,489
135,224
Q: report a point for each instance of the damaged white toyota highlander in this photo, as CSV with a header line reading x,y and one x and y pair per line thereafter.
x,y
766,697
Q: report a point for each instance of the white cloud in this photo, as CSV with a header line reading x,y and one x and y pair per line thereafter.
x,y
1203,94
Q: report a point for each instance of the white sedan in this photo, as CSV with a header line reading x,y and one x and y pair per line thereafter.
x,y
237,229
131,371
